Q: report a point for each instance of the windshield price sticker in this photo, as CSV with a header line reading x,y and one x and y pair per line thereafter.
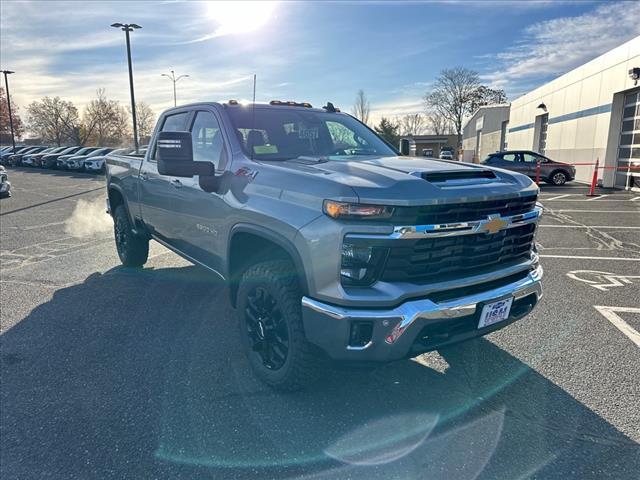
x,y
495,312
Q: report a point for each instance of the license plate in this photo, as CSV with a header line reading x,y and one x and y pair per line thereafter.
x,y
495,312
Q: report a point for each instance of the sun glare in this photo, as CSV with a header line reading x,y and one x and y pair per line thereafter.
x,y
239,17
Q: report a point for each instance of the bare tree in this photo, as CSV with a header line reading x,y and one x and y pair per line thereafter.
x,y
100,120
451,96
146,121
412,124
437,124
54,120
361,108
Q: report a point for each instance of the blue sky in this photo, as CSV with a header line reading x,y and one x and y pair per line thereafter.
x,y
304,51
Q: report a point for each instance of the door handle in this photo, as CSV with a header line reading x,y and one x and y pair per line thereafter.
x,y
144,176
176,183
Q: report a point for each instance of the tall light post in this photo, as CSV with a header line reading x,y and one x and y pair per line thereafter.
x,y
126,28
173,78
6,84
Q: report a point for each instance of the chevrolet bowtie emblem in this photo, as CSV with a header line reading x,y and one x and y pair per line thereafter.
x,y
493,225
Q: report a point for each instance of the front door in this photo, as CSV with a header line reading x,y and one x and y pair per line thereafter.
x,y
158,193
198,214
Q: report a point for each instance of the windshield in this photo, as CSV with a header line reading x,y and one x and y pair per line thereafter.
x,y
281,133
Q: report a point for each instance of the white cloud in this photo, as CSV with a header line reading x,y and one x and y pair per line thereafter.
x,y
556,46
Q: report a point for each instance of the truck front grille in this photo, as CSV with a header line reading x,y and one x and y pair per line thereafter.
x,y
462,212
448,258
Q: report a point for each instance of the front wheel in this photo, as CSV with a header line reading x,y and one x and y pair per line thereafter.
x,y
133,249
270,318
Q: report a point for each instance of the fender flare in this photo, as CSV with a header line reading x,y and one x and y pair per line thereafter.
x,y
274,237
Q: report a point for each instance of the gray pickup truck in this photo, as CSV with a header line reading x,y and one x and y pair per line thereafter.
x,y
333,246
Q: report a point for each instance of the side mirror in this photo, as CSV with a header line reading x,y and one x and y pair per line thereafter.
x,y
175,156
404,147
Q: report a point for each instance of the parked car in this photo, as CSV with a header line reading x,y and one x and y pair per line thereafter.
x,y
50,160
446,155
5,185
427,152
4,155
77,162
61,163
16,158
526,162
28,159
352,253
97,164
36,159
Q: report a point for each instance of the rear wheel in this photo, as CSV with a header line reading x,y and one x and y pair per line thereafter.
x,y
270,318
133,249
558,177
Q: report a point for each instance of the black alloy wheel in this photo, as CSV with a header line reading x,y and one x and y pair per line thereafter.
x,y
266,328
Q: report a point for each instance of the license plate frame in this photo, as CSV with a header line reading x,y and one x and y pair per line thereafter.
x,y
495,312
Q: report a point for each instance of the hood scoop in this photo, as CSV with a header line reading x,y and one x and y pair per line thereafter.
x,y
454,178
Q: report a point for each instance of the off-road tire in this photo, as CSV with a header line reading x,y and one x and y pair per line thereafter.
x,y
133,249
278,278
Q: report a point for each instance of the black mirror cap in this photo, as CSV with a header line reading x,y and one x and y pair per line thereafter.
x,y
174,151
174,147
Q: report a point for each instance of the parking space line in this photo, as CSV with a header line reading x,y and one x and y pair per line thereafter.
x,y
635,199
558,197
620,200
610,314
580,257
598,197
592,226
597,211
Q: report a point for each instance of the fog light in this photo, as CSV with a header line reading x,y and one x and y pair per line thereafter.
x,y
361,264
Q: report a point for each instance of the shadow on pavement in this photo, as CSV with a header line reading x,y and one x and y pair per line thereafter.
x,y
139,374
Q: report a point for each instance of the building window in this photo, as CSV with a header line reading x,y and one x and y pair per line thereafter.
x,y
542,141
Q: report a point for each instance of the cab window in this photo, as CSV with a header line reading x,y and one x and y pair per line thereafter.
x,y
206,139
173,123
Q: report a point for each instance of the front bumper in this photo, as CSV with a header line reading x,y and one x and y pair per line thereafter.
x,y
415,326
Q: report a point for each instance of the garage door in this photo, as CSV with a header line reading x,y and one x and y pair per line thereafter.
x,y
629,145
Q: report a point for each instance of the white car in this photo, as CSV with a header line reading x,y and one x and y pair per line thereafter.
x,y
5,186
96,164
446,155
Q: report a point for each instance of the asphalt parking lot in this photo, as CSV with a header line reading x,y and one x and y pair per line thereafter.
x,y
114,373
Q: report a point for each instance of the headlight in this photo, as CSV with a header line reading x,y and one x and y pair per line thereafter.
x,y
361,265
351,211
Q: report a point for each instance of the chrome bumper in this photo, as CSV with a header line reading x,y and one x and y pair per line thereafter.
x,y
396,329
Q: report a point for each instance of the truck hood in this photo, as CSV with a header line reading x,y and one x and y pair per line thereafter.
x,y
414,180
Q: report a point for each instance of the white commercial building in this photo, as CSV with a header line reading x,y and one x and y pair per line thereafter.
x,y
485,132
589,113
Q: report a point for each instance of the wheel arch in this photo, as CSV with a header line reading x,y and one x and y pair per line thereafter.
x,y
249,244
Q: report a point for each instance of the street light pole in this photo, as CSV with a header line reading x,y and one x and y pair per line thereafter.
x,y
6,84
173,78
126,28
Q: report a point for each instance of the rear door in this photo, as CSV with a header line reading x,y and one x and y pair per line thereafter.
x,y
158,193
